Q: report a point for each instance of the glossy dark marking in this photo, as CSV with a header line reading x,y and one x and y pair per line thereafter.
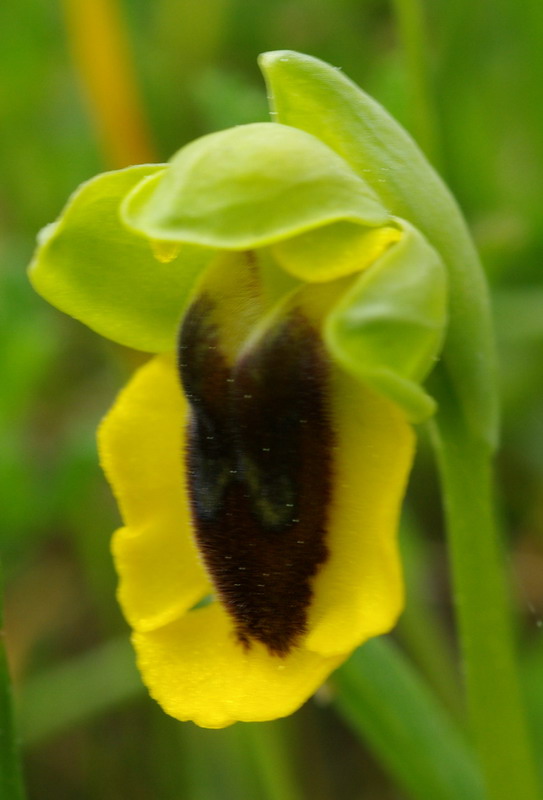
x,y
259,466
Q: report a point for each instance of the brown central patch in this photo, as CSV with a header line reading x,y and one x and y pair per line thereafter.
x,y
259,467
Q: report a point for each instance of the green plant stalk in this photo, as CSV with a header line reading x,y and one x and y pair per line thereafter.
x,y
411,27
482,604
11,782
387,703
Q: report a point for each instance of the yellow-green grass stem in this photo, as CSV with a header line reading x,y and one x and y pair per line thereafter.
x,y
102,55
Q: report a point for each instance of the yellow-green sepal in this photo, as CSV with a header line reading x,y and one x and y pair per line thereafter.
x,y
248,187
311,95
125,287
333,251
387,330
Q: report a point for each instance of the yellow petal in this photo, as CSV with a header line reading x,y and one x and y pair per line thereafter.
x,y
358,593
141,451
196,669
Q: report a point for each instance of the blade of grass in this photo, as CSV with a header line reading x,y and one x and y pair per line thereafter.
x,y
11,782
532,670
77,690
216,764
243,760
268,744
388,705
420,629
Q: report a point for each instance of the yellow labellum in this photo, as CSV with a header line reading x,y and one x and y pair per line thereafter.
x,y
201,663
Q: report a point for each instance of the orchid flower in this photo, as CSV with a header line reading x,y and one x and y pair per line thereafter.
x,y
295,280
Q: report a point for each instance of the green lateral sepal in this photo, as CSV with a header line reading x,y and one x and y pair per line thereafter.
x,y
123,286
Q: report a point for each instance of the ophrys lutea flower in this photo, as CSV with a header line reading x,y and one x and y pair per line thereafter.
x,y
260,459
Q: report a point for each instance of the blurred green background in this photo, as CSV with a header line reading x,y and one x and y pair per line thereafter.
x,y
468,84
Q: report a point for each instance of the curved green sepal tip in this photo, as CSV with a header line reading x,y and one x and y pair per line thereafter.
x,y
250,186
89,265
317,98
388,329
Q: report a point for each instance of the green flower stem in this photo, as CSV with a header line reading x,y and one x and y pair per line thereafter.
x,y
482,602
411,27
11,783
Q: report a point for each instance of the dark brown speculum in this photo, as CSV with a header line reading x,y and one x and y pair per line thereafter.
x,y
259,458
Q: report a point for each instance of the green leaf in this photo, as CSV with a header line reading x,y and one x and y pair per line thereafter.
x,y
395,713
315,97
387,330
250,186
121,285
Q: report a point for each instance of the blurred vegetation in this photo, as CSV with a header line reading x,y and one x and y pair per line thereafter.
x,y
90,731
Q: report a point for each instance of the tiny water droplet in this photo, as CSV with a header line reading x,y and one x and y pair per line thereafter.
x,y
165,251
